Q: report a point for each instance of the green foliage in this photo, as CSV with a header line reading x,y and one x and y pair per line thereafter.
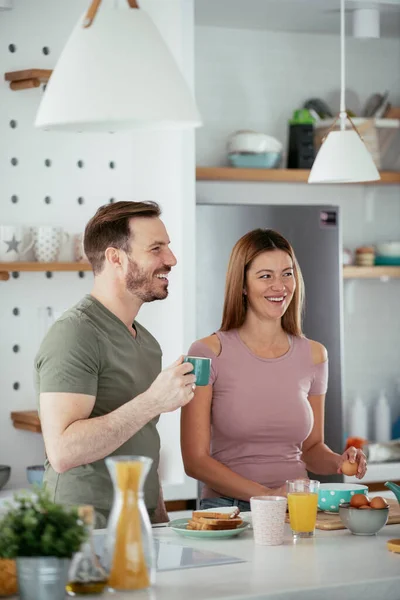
x,y
36,526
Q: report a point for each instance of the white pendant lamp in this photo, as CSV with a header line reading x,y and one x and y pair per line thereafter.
x,y
343,156
116,73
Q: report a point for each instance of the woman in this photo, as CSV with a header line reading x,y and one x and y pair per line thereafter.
x,y
260,421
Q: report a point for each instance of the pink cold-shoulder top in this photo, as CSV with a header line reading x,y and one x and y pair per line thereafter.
x,y
260,413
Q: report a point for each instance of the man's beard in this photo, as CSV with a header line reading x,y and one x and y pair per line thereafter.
x,y
143,285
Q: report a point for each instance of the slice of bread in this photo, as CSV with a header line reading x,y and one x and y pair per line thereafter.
x,y
222,523
203,520
207,514
201,526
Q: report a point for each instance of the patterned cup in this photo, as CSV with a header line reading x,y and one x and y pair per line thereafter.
x,y
14,243
47,242
268,515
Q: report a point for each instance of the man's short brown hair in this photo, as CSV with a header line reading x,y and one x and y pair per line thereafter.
x,y
110,228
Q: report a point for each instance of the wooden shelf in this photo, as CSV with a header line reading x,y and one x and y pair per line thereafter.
x,y
27,420
12,267
275,175
353,272
28,78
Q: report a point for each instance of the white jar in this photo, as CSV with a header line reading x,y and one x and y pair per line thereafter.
x,y
383,419
359,419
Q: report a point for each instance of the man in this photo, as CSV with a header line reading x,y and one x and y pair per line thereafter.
x,y
98,370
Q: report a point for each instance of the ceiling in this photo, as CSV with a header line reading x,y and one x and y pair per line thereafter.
x,y
314,16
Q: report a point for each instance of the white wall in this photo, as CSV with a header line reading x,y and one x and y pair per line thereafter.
x,y
152,166
255,79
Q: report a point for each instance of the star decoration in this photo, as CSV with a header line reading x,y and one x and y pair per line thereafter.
x,y
12,244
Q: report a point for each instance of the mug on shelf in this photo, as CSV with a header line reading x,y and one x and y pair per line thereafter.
x,y
47,242
15,242
79,252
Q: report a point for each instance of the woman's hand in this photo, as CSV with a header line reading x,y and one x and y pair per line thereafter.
x,y
354,455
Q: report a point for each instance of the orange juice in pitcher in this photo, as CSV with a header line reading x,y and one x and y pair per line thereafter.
x,y
129,551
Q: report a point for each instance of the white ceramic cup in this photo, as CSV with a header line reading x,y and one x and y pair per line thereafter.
x,y
15,241
79,252
47,242
268,515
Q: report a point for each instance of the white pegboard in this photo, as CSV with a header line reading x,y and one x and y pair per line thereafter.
x,y
147,166
43,188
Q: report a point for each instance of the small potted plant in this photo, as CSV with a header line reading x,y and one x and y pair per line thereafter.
x,y
42,536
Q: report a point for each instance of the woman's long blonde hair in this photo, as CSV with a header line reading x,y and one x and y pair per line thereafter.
x,y
244,252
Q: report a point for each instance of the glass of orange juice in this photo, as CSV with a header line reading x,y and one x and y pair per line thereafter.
x,y
302,496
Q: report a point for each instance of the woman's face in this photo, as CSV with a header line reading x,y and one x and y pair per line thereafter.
x,y
270,284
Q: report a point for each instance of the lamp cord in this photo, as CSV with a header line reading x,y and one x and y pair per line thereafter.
x,y
94,7
343,114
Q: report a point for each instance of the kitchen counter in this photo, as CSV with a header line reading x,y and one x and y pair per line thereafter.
x,y
333,565
378,472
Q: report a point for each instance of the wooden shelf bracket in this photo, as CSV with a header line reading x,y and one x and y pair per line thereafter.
x,y
28,78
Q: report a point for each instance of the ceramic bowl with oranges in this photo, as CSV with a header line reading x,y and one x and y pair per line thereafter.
x,y
363,516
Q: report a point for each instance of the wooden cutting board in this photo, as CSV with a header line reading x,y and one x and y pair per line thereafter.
x,y
330,522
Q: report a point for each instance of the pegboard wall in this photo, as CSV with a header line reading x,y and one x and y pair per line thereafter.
x,y
45,179
60,180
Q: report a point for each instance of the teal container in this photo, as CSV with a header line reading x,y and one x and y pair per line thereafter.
x,y
387,261
332,495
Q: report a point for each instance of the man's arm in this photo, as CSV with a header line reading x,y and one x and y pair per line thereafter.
x,y
73,439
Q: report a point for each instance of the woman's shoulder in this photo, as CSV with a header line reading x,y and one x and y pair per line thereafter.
x,y
307,347
209,343
319,353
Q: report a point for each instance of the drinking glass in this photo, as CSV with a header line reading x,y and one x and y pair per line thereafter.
x,y
302,495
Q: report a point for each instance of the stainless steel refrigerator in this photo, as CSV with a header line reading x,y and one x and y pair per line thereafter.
x,y
314,232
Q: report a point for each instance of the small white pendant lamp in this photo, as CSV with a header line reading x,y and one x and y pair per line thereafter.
x,y
116,73
343,156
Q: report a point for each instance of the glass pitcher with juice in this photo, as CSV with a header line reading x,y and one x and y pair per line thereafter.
x,y
129,556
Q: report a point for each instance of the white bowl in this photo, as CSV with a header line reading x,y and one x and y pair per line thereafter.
x,y
388,249
252,142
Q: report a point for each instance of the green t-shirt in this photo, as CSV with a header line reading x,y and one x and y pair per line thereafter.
x,y
90,351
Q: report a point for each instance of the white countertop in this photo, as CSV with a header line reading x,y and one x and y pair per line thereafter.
x,y
378,472
333,565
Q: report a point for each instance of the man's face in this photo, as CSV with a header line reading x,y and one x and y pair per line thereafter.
x,y
150,259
